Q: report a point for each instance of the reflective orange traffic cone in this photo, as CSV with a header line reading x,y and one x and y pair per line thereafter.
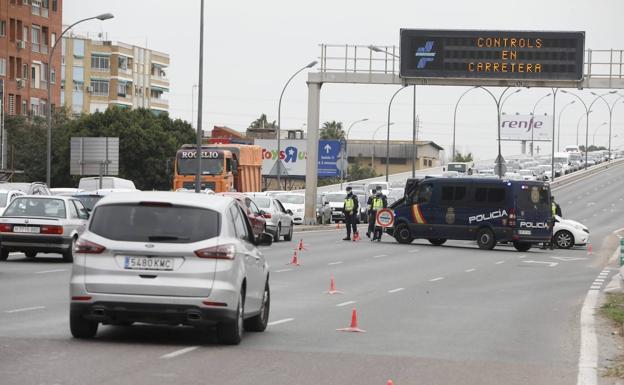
x,y
356,237
390,382
332,287
337,225
354,324
295,259
590,249
301,246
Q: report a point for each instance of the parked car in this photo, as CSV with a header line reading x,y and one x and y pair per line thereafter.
x,y
41,224
294,202
90,198
336,204
170,258
279,220
92,183
34,188
323,211
568,233
527,174
6,197
258,223
65,191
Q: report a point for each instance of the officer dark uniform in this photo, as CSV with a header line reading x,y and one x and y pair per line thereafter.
x,y
555,210
376,201
351,210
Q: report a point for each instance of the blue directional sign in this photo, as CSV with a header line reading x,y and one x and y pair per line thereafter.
x,y
329,158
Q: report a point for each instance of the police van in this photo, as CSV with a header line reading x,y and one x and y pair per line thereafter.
x,y
486,210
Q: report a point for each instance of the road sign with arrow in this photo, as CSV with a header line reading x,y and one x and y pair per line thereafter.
x,y
328,158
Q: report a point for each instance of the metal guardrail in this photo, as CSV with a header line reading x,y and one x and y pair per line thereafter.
x,y
606,64
567,179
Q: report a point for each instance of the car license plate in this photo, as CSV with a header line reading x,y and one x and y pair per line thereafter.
x,y
148,263
524,232
26,229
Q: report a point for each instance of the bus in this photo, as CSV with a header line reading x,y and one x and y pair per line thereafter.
x,y
489,211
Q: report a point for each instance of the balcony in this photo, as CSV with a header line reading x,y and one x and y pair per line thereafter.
x,y
35,47
44,49
36,10
161,101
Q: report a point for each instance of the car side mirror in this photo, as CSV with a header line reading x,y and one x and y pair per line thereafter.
x,y
264,239
289,212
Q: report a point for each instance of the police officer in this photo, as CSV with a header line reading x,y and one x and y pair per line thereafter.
x,y
376,201
556,209
351,210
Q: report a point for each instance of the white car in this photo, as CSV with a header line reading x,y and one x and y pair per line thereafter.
x,y
527,174
294,202
7,196
568,233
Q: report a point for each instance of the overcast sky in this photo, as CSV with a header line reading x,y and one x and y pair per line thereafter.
x,y
253,47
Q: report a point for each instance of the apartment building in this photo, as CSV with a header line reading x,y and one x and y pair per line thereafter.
x,y
96,74
28,29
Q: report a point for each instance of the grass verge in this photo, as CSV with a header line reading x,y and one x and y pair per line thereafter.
x,y
613,309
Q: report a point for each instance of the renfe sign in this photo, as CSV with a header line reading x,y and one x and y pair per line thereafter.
x,y
526,127
514,55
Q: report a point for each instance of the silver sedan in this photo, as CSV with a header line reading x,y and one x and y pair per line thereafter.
x,y
279,221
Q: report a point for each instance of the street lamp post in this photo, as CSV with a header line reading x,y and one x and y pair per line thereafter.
x,y
200,93
373,140
346,150
596,131
499,106
279,122
610,107
559,124
455,118
104,16
388,134
533,123
193,104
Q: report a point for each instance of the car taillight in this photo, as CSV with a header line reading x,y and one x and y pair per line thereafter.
x,y
86,247
266,215
217,252
5,228
48,229
512,218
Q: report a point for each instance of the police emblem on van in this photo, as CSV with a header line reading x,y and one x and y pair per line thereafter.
x,y
486,217
450,216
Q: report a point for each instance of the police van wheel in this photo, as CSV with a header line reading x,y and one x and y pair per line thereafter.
x,y
403,234
522,246
485,239
437,241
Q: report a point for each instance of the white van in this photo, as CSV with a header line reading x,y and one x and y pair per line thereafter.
x,y
108,182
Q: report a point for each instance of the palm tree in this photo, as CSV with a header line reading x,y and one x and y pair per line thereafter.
x,y
263,122
332,130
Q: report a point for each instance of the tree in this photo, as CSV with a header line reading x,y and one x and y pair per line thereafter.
x,y
356,172
592,148
147,145
263,122
332,130
459,157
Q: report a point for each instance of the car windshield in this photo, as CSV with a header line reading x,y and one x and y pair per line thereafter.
x,y
88,200
335,197
3,199
263,203
36,207
212,166
150,223
294,199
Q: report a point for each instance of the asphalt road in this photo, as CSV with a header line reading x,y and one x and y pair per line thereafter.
x,y
433,315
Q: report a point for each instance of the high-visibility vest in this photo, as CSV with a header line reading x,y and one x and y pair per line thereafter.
x,y
554,208
377,203
349,206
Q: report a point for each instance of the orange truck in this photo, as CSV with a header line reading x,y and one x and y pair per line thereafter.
x,y
225,167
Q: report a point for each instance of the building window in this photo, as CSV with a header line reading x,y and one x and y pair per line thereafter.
x,y
78,48
124,63
11,104
25,33
35,35
2,67
53,76
78,74
24,107
52,39
100,62
100,87
2,27
54,5
121,89
25,71
77,101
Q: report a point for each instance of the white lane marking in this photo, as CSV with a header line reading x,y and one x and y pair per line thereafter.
x,y
436,279
396,290
594,287
522,256
599,280
282,270
499,262
281,321
334,263
50,271
380,256
25,309
345,303
470,270
179,352
413,251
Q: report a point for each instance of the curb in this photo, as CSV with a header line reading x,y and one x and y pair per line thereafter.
x,y
300,229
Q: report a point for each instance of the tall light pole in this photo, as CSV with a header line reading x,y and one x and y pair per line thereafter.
x,y
104,16
587,111
346,150
193,104
373,140
388,133
559,123
499,106
610,107
279,122
200,95
578,124
455,118
595,131
533,123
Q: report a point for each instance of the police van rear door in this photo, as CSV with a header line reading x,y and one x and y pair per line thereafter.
x,y
533,210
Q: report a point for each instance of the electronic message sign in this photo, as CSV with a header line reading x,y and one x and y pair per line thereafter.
x,y
512,55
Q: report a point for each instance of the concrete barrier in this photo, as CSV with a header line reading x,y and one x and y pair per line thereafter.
x,y
567,179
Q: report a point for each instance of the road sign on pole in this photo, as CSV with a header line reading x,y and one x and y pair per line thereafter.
x,y
328,158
